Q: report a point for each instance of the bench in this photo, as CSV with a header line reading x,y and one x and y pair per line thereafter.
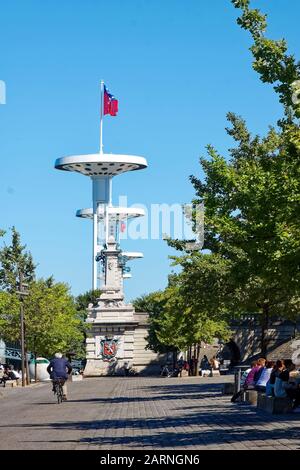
x,y
10,383
251,397
274,405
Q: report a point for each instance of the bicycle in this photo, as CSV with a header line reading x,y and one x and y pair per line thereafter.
x,y
169,372
58,389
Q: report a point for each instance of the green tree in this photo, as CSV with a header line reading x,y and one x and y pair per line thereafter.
x,y
53,321
83,301
251,212
51,318
252,200
154,304
271,60
177,322
9,316
14,260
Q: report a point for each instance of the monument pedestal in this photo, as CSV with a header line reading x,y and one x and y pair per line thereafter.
x,y
110,341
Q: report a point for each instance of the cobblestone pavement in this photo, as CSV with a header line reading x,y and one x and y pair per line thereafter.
x,y
140,413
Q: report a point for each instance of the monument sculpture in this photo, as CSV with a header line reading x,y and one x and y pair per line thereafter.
x,y
116,333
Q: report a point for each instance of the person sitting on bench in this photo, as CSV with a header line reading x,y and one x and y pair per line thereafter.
x,y
277,369
285,389
264,376
246,381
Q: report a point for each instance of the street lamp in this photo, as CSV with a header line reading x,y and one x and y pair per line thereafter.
x,y
22,292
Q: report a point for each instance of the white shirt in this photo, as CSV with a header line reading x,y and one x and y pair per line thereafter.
x,y
264,377
16,374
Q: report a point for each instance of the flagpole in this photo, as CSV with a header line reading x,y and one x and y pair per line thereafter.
x,y
101,116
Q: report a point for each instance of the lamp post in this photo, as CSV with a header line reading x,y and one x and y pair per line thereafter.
x,y
22,292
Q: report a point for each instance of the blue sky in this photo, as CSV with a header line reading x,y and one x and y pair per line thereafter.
x,y
177,67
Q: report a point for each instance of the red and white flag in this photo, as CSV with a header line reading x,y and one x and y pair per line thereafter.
x,y
110,104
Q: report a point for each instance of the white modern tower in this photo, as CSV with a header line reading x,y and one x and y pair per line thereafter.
x,y
117,333
101,168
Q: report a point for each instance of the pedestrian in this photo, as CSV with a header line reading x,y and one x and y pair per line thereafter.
x,y
192,365
180,364
205,367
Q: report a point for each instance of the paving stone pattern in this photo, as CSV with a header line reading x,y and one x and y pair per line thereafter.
x,y
140,413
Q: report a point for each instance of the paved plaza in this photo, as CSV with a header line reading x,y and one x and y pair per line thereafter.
x,y
140,413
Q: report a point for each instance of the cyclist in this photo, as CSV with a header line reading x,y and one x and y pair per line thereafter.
x,y
59,368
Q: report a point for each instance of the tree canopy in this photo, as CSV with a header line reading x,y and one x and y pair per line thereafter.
x,y
14,260
251,254
52,318
271,59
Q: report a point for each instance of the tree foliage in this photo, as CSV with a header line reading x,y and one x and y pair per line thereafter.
x,y
252,203
83,301
154,304
52,322
9,316
252,206
14,260
271,59
52,319
179,318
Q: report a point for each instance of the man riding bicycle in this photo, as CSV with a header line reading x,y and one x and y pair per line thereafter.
x,y
58,369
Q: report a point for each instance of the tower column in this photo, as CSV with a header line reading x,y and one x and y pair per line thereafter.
x,y
95,249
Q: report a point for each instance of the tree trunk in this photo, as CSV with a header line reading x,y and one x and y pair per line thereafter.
x,y
264,329
174,359
198,358
195,360
189,359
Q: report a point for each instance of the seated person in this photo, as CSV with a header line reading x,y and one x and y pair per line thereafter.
x,y
14,374
126,367
245,374
261,362
3,377
6,375
246,381
254,373
215,365
283,388
10,373
264,376
205,367
277,369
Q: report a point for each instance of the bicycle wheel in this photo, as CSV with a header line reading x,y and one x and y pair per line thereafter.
x,y
59,392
